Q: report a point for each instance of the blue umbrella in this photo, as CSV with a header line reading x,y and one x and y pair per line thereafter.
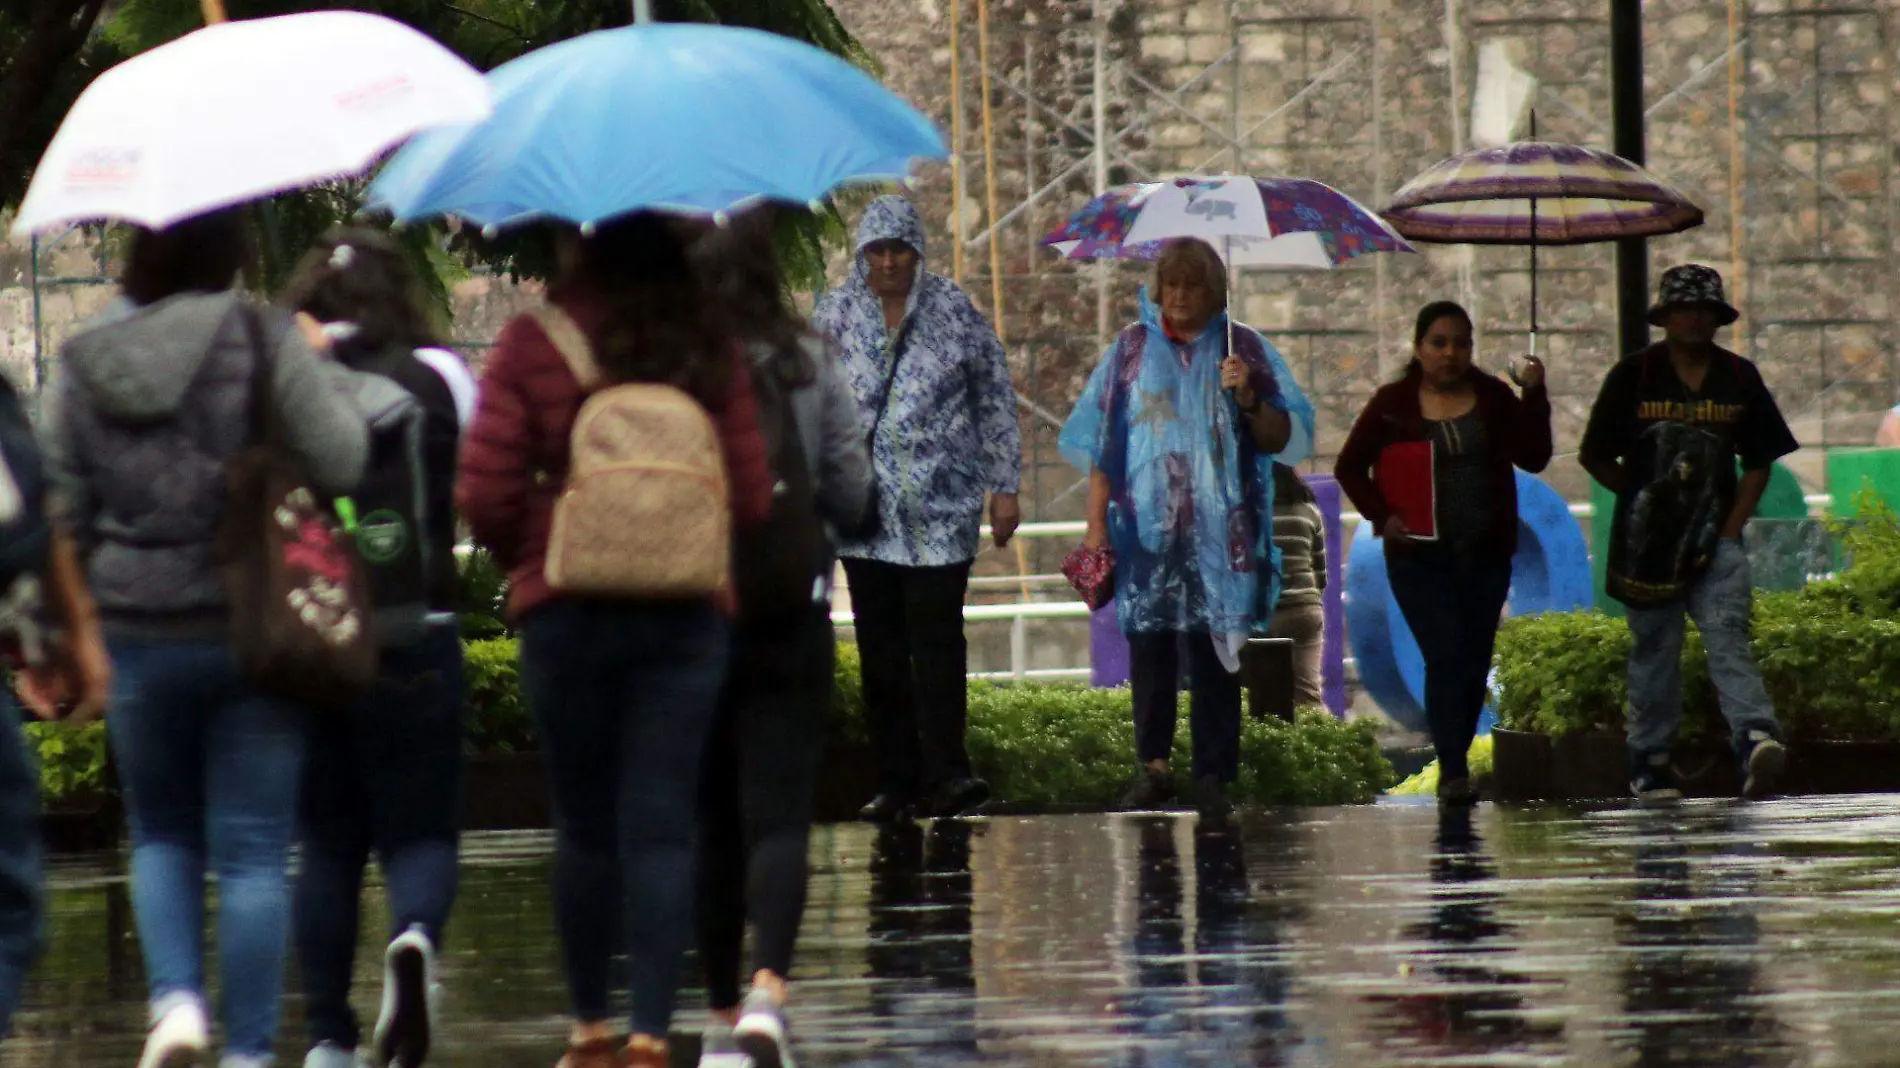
x,y
676,117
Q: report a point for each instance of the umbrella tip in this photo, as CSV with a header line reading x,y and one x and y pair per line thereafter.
x,y
721,219
815,205
491,232
588,228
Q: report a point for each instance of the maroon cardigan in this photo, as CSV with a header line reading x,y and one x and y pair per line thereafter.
x,y
523,418
1519,431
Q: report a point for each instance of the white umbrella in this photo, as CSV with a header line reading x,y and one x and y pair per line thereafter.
x,y
241,110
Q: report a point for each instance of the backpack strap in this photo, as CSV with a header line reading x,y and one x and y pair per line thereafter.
x,y
571,343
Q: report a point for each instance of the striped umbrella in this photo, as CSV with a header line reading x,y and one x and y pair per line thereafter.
x,y
1538,193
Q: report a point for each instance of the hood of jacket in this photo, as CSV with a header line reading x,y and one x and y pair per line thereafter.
x,y
137,362
890,218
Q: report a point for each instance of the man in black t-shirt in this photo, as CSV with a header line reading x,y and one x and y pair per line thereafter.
x,y
1665,435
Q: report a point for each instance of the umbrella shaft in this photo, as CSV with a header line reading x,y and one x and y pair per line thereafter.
x,y
213,11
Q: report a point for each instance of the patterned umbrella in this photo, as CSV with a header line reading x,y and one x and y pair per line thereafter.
x,y
1253,222
1538,193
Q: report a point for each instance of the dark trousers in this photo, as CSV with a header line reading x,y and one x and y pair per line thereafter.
x,y
756,797
22,893
386,776
910,640
1154,674
1451,598
622,694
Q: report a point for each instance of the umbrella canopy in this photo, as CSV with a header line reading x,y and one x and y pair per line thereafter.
x,y
1252,222
242,110
1538,192
680,117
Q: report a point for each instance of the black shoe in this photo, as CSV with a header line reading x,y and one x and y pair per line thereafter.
x,y
886,809
1151,790
960,797
1210,797
1762,764
1457,790
1652,777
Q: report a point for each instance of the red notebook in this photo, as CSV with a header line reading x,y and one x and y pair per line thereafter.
x,y
1404,475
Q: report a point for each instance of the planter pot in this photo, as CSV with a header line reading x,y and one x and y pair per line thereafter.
x,y
1594,767
509,791
505,792
847,780
83,824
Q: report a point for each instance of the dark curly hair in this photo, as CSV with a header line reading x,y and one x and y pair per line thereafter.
x,y
662,325
361,276
202,254
740,268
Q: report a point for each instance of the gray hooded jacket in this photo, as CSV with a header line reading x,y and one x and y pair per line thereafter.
x,y
148,406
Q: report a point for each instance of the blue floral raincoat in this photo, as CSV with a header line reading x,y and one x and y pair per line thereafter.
x,y
950,433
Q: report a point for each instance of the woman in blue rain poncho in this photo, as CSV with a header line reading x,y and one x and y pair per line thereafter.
x,y
1179,428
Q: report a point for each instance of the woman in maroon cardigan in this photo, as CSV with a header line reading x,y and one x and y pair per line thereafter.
x,y
1451,588
622,691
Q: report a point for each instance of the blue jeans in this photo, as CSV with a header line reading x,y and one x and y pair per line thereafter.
x,y
623,695
22,896
1720,603
1451,598
388,777
210,772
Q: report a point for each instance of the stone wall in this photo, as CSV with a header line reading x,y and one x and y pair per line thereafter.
x,y
1364,93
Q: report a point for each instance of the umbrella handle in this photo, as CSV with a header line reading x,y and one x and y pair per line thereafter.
x,y
213,11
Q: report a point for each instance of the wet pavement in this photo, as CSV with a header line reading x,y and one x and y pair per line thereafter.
x,y
1709,934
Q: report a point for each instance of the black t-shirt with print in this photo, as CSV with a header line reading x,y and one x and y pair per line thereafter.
x,y
1680,448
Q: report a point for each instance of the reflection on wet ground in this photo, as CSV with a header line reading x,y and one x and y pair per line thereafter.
x,y
1710,934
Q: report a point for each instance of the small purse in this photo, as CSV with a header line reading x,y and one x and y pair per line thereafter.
x,y
1092,573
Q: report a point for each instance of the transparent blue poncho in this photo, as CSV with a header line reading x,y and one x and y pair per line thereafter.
x,y
1190,514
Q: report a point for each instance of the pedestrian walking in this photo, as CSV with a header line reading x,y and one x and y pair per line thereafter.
x,y
769,732
1430,463
933,388
610,499
1665,435
153,400
1179,428
386,775
1299,616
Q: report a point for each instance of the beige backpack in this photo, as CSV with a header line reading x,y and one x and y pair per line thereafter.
x,y
645,511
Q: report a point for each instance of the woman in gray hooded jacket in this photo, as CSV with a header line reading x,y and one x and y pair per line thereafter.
x,y
151,402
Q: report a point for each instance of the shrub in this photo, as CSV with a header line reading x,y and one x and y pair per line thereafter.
x,y
482,597
496,716
1480,757
72,760
1825,653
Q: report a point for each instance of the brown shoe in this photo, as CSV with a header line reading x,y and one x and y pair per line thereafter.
x,y
598,1053
644,1052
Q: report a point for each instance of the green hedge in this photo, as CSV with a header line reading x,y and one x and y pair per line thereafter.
x,y
1036,744
1826,653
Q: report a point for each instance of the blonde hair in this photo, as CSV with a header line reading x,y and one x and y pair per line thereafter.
x,y
1194,259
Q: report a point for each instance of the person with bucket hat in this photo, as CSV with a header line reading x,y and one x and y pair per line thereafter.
x,y
1665,436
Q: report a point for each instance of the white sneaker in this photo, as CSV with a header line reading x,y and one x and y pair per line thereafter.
x,y
718,1049
407,1023
179,1034
761,1031
331,1055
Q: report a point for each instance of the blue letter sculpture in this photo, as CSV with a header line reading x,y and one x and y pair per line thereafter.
x,y
1550,573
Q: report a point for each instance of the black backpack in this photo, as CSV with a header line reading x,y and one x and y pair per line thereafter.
x,y
783,566
404,517
25,535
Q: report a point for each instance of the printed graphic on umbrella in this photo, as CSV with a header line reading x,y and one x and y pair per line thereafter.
x,y
242,110
1538,193
663,116
1252,222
